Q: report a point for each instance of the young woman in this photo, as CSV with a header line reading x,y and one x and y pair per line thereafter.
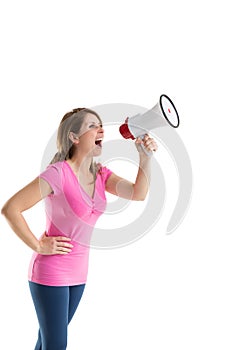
x,y
73,187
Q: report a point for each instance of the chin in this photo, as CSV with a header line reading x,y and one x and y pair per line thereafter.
x,y
97,152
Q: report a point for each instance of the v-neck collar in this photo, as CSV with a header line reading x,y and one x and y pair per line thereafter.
x,y
94,191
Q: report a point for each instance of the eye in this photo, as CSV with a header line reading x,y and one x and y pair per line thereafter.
x,y
95,126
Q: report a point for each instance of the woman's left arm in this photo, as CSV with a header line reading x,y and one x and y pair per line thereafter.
x,y
134,191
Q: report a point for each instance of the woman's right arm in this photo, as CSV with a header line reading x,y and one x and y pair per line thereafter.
x,y
23,200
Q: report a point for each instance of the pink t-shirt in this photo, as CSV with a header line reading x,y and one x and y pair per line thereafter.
x,y
70,212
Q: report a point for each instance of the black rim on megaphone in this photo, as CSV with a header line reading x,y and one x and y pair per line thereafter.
x,y
164,113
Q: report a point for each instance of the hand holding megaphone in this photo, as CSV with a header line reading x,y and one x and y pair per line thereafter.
x,y
164,113
147,145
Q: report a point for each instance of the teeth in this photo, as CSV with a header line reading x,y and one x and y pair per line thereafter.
x,y
98,142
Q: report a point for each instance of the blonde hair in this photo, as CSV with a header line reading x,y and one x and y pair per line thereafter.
x,y
72,122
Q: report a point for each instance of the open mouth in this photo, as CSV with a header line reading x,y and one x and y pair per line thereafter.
x,y
98,142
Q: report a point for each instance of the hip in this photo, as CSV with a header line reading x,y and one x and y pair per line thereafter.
x,y
59,269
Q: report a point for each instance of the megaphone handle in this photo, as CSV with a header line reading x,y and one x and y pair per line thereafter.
x,y
148,153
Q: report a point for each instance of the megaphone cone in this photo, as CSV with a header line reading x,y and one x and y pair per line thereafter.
x,y
162,114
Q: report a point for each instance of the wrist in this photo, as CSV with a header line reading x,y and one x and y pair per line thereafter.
x,y
143,158
37,247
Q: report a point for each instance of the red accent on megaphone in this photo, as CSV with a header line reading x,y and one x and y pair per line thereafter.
x,y
125,132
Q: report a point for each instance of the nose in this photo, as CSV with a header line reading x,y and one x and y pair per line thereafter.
x,y
101,130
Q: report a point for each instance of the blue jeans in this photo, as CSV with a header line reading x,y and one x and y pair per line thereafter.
x,y
55,307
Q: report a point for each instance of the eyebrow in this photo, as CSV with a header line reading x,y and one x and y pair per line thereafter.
x,y
96,123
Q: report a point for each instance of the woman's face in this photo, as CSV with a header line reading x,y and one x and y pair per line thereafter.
x,y
91,135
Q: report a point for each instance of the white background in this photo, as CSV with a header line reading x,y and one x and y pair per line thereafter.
x,y
162,292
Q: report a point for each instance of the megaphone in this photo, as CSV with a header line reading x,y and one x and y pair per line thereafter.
x,y
164,113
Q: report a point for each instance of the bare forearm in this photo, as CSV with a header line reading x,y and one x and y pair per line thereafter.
x,y
142,182
23,200
20,227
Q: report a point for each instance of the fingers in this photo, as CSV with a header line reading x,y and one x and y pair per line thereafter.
x,y
61,246
139,140
148,142
51,245
61,238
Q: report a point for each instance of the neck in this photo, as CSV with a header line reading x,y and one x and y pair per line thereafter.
x,y
80,163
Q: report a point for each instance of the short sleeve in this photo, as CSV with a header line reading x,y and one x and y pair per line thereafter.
x,y
52,175
105,173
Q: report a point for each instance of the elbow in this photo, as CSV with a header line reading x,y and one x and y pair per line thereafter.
x,y
140,193
139,197
5,210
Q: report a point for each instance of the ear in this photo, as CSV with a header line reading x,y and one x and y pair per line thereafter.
x,y
74,138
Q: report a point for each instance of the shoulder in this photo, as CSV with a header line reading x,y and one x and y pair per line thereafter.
x,y
52,175
54,167
104,172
